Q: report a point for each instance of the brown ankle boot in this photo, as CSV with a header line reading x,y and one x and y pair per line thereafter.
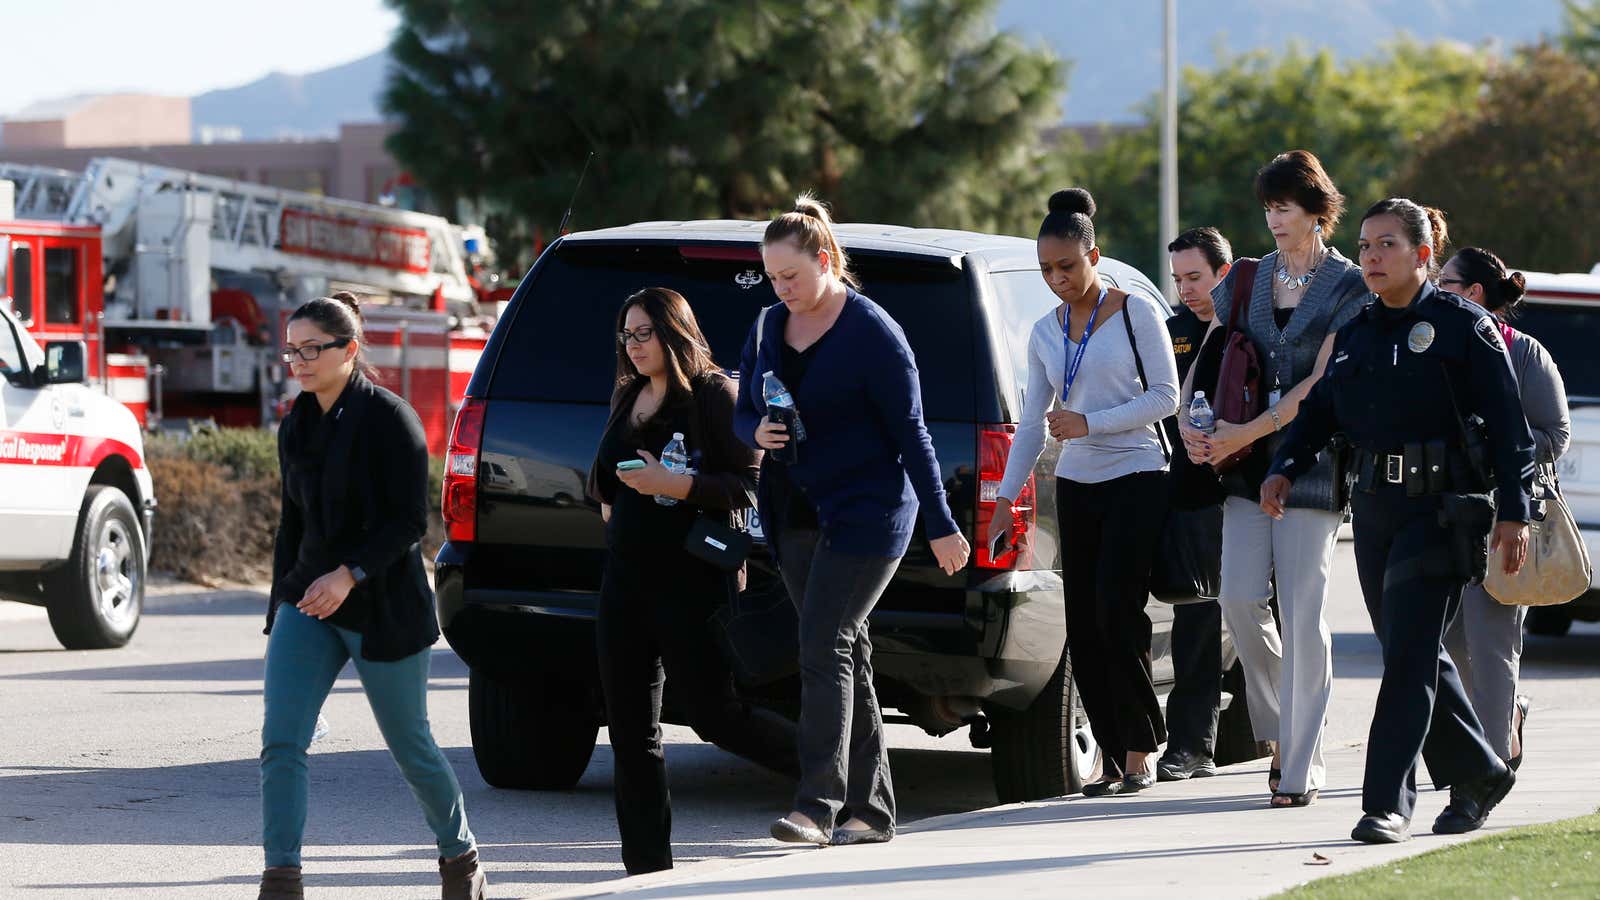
x,y
281,883
461,878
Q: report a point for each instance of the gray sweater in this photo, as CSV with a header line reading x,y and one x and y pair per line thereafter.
x,y
1544,397
1123,417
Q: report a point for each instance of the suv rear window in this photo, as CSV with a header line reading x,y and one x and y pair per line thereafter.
x,y
562,344
1567,331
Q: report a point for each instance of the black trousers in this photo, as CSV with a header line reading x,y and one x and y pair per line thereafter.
x,y
1412,592
1196,694
651,626
1109,533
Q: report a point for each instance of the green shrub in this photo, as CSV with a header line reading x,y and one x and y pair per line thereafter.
x,y
220,499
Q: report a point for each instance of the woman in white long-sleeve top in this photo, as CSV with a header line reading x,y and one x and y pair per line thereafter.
x,y
1485,639
1106,355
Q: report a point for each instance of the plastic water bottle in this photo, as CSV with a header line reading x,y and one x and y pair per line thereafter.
x,y
780,409
1200,415
675,458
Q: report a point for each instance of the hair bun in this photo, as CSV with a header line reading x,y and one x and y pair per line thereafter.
x,y
1072,200
1515,285
349,299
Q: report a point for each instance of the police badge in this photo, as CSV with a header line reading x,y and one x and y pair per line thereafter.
x,y
1421,337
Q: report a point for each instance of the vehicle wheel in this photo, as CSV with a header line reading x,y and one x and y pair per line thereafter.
x,y
528,735
1236,738
96,598
1046,750
1549,621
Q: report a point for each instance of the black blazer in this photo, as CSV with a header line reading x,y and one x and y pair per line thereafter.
x,y
374,512
726,481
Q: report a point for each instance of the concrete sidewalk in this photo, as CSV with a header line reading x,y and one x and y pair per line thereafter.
x,y
1205,838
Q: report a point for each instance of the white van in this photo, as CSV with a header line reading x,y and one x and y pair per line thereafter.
x,y
75,496
1563,312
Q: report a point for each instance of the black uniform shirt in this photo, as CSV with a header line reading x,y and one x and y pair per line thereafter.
x,y
1389,383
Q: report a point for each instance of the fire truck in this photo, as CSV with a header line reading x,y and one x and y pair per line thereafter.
x,y
179,285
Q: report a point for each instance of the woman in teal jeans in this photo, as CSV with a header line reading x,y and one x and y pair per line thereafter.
x,y
348,584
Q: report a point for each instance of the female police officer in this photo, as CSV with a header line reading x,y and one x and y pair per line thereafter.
x,y
1402,376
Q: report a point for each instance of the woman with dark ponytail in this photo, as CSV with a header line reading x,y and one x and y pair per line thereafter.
x,y
1405,375
1114,389
1485,640
348,584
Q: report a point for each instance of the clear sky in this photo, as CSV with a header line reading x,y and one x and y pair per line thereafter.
x,y
56,48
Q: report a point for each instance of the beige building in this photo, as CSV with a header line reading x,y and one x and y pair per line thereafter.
x,y
67,134
99,120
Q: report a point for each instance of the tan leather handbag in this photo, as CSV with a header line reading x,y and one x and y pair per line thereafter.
x,y
1558,567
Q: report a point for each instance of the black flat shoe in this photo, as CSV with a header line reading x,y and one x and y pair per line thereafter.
x,y
1103,788
791,833
1389,828
1133,783
1183,765
1524,706
1274,778
844,837
1471,803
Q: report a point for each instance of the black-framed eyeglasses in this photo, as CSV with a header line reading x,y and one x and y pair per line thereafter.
x,y
1444,281
640,336
310,352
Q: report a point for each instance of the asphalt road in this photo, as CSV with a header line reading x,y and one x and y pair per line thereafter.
x,y
133,772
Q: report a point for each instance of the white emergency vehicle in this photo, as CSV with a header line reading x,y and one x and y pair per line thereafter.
x,y
76,500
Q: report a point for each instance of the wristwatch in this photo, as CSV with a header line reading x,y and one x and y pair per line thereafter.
x,y
1277,424
356,572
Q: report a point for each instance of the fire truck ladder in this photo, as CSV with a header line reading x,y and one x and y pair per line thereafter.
x,y
329,238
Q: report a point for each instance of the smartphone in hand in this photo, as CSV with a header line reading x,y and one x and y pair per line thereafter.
x,y
1001,543
630,465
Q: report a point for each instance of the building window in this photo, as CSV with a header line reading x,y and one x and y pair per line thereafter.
x,y
22,282
61,267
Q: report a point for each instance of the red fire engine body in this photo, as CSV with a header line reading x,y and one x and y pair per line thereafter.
x,y
180,285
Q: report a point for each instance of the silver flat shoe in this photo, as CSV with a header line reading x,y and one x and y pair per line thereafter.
x,y
790,833
844,837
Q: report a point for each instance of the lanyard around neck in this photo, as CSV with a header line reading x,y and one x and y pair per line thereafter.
x,y
1083,344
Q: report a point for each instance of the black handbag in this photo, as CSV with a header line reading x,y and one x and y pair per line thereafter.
x,y
718,543
759,631
1188,564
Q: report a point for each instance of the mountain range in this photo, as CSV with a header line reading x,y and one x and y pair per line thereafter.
x,y
1114,48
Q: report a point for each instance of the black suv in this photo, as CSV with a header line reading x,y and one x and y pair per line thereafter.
x,y
519,576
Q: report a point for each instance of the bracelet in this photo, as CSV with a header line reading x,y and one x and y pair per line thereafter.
x,y
1277,424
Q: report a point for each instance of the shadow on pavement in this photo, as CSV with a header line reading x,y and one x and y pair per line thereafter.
x,y
721,807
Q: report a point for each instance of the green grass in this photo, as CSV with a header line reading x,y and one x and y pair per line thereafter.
x,y
1559,859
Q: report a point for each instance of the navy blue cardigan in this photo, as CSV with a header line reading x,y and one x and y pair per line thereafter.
x,y
867,459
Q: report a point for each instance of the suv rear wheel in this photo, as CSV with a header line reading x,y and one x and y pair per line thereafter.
x,y
1047,749
529,735
1236,737
95,599
1546,621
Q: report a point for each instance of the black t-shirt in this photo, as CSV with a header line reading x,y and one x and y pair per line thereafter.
x,y
799,511
306,449
639,526
1193,487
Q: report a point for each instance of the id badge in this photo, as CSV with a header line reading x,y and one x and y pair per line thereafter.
x,y
1273,397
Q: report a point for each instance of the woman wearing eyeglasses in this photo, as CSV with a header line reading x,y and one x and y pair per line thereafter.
x,y
655,597
348,584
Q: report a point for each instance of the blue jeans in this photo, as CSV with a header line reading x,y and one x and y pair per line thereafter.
x,y
304,657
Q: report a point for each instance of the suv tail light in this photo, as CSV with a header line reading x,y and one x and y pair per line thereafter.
x,y
994,445
459,504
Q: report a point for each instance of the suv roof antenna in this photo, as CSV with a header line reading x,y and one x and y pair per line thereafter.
x,y
568,216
